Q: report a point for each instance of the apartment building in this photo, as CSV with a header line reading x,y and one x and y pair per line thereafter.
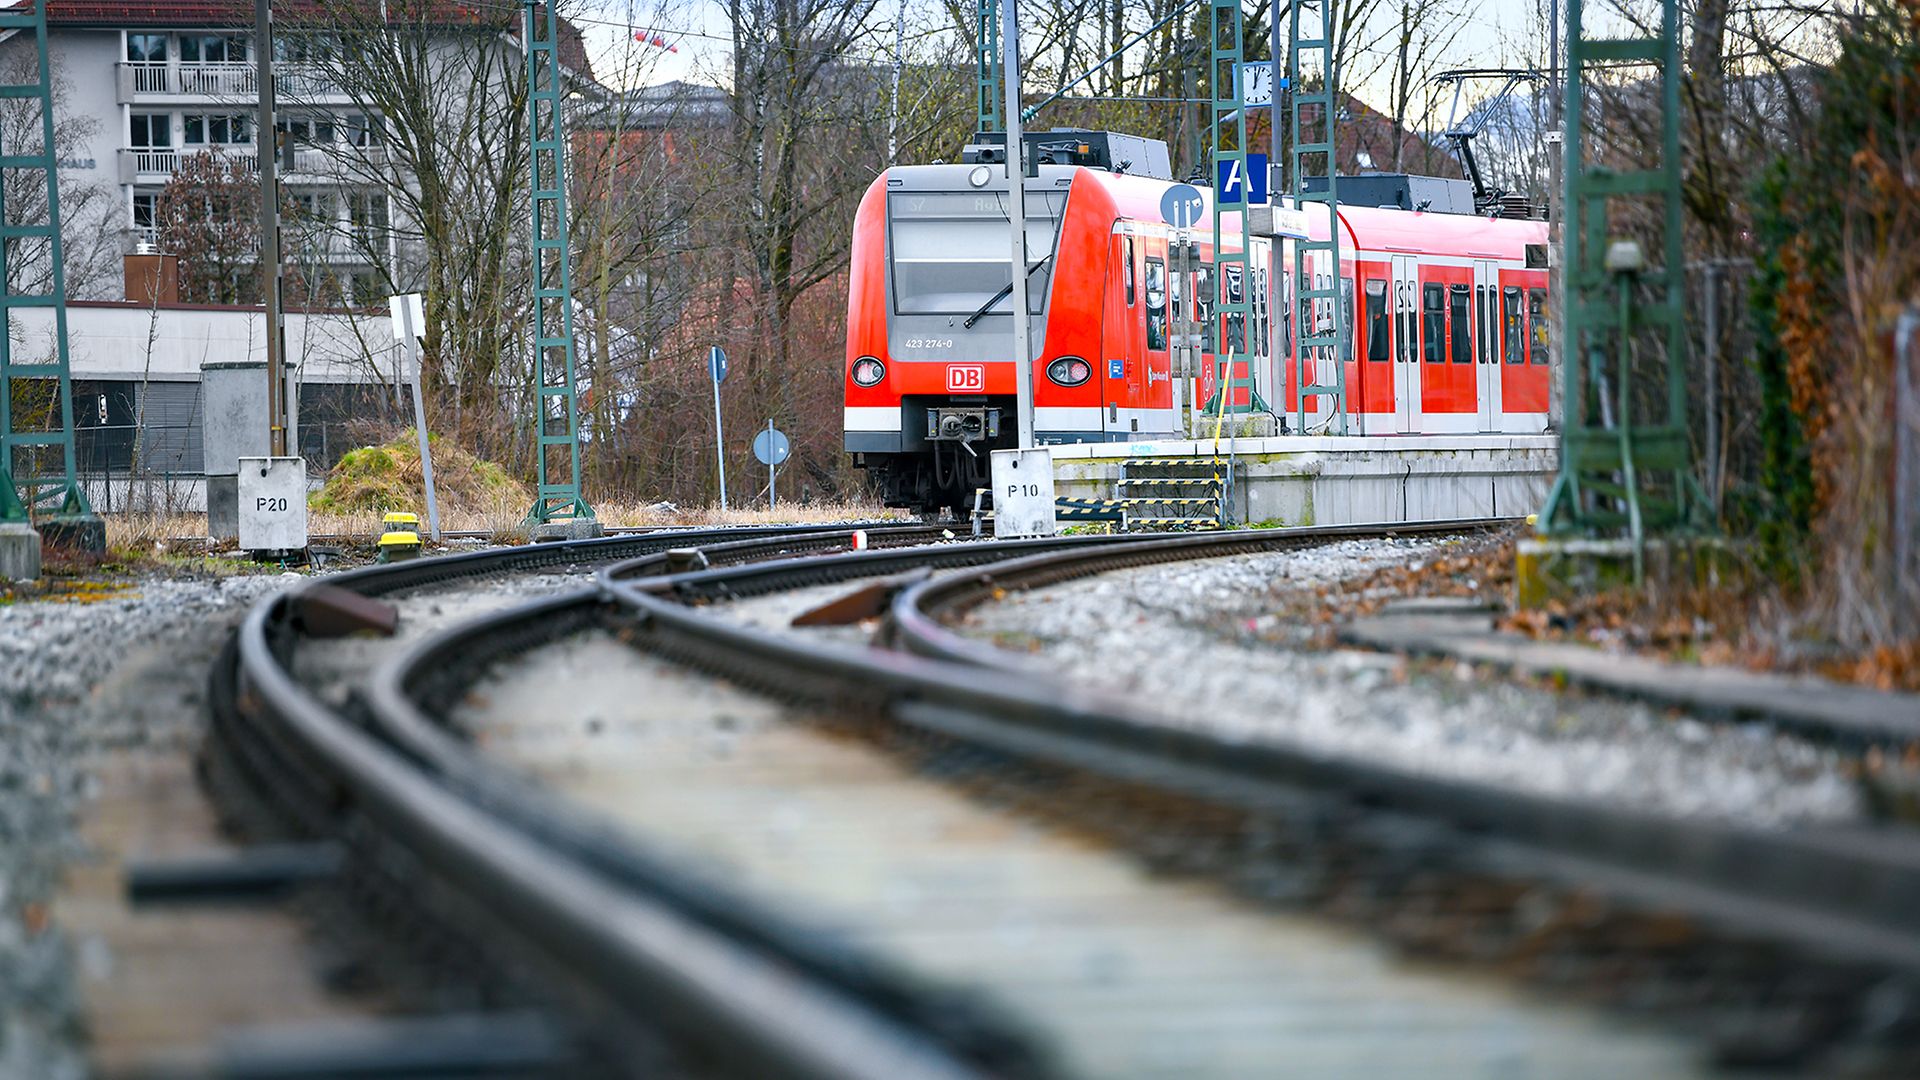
x,y
167,80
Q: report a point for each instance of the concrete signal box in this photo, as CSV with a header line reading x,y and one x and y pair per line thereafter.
x,y
273,504
1023,492
233,424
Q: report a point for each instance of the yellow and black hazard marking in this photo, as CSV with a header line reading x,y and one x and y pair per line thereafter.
x,y
1197,484
1073,509
1171,481
1174,523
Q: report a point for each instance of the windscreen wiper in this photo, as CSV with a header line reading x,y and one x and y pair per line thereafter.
x,y
1001,295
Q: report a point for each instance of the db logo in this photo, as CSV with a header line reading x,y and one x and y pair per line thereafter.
x,y
966,379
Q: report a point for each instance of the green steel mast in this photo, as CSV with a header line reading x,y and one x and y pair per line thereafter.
x,y
1312,116
986,66
1233,282
22,242
1616,471
557,427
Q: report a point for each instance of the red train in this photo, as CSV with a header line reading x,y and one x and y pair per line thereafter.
x,y
1448,322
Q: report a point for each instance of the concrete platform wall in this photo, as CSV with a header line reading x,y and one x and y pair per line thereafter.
x,y
1319,480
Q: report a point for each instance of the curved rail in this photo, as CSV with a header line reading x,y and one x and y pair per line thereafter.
x,y
1846,895
643,961
1838,892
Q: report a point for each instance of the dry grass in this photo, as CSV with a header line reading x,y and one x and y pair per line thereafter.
x,y
786,513
138,533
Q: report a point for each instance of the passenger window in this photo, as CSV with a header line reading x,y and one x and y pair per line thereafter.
x,y
1346,311
1287,312
1128,269
1481,338
1516,339
1236,324
1434,318
1260,312
1203,304
1377,341
1409,322
1537,313
1156,305
1462,329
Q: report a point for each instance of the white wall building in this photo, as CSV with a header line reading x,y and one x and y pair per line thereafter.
x,y
162,81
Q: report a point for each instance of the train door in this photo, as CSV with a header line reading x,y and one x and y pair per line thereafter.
x,y
1154,310
1373,352
1406,345
1486,296
1124,358
1446,349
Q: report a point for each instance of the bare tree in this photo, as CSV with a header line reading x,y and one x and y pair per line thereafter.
x,y
209,215
440,199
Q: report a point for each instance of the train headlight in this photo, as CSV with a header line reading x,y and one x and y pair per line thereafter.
x,y
1069,371
868,371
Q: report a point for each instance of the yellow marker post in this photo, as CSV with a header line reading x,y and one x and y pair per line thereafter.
x,y
401,538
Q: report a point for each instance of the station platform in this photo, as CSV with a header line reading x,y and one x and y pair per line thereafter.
x,y
1340,480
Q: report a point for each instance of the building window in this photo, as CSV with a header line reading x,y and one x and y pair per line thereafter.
x,y
144,205
364,130
367,211
306,129
217,129
302,48
213,48
314,206
367,287
150,130
147,48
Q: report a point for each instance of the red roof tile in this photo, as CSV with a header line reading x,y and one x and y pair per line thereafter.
x,y
165,14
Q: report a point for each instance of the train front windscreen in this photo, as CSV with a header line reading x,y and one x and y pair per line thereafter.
x,y
951,259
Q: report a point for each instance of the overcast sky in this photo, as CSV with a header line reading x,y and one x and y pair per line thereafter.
x,y
1493,33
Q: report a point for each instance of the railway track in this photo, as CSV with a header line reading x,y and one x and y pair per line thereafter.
x,y
1801,939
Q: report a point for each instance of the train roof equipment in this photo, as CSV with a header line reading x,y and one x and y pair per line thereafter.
x,y
1109,151
1402,191
1464,129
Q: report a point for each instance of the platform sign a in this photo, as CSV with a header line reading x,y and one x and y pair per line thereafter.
x,y
717,364
1183,206
1231,184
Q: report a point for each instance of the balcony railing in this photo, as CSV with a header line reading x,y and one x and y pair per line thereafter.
x,y
341,163
232,80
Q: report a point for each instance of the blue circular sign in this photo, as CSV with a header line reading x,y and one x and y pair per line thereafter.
x,y
1182,206
770,447
717,364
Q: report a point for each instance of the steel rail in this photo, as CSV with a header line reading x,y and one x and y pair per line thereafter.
x,y
1851,894
407,701
648,962
911,624
1855,890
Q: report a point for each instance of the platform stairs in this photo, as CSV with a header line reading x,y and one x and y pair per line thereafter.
x,y
1162,494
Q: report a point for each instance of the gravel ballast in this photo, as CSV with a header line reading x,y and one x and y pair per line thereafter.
x,y
76,679
1197,644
